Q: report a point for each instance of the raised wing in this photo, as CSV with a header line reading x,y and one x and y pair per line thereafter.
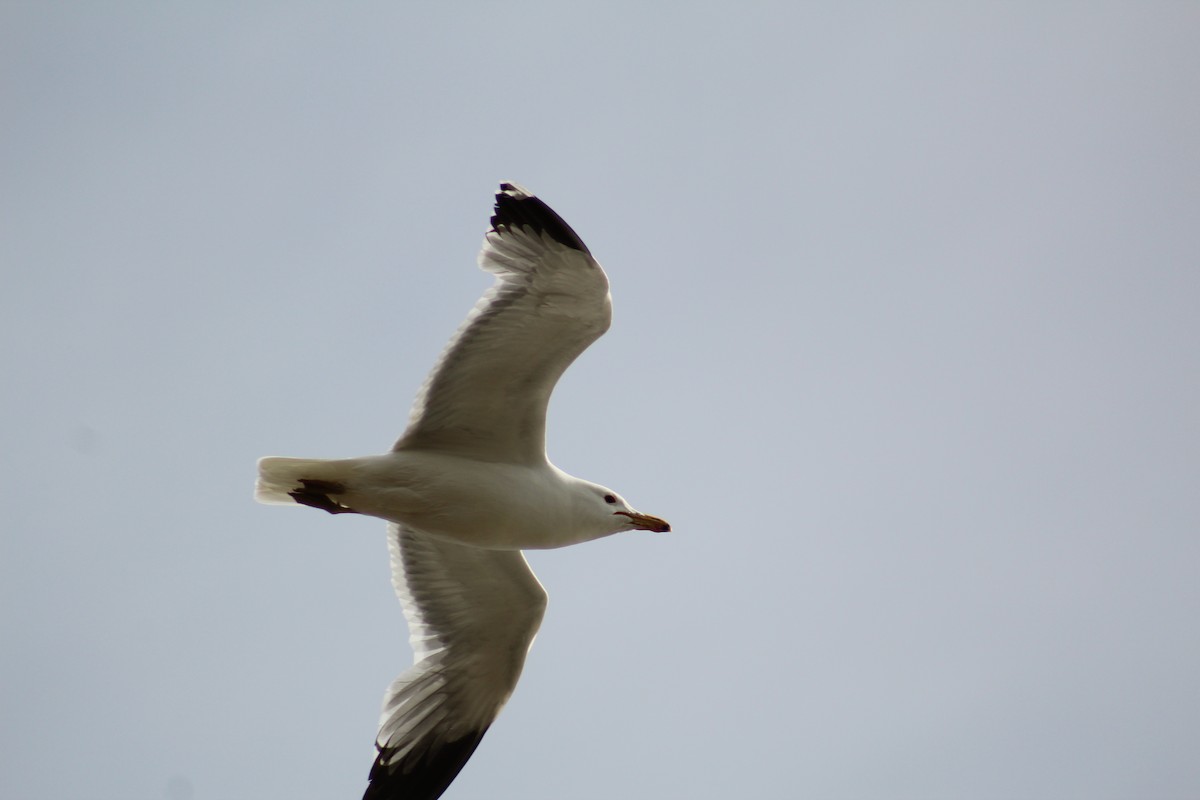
x,y
487,396
473,614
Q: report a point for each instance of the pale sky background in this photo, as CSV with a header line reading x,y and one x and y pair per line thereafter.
x,y
906,347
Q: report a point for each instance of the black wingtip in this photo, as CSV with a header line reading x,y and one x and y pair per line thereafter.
x,y
516,205
428,777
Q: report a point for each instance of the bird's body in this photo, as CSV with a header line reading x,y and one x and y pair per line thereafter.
x,y
492,505
467,487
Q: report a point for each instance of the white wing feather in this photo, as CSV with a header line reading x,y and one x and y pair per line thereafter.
x,y
473,614
487,396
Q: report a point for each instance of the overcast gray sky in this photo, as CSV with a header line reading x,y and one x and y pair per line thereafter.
x,y
906,347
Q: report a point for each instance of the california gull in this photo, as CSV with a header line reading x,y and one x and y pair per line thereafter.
x,y
467,487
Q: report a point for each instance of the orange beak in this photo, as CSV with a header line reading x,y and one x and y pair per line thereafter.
x,y
645,522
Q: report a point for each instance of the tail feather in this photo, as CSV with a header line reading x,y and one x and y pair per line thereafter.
x,y
277,477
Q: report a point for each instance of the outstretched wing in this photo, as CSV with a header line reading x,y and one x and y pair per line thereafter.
x,y
473,614
487,396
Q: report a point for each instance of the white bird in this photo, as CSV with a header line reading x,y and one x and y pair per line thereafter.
x,y
467,487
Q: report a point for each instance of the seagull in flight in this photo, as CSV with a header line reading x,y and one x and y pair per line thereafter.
x,y
467,487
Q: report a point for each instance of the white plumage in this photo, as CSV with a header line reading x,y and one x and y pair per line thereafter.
x,y
467,487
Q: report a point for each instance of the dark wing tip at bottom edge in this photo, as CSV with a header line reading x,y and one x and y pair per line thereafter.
x,y
426,779
516,205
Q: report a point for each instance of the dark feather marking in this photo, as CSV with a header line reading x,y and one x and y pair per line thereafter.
x,y
424,776
517,206
324,487
315,494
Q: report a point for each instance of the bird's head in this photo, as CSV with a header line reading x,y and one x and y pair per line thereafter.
x,y
610,509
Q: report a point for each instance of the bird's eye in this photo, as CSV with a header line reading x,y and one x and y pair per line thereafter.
x,y
608,498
